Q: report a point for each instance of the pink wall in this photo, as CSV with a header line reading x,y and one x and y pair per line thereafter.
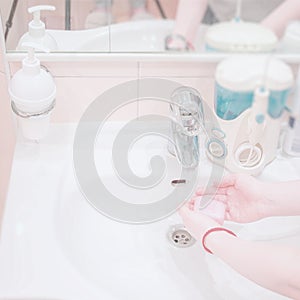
x,y
7,138
89,80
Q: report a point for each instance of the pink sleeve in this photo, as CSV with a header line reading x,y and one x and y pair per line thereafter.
x,y
277,21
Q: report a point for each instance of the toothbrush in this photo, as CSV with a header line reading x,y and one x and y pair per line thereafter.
x,y
257,122
257,118
259,107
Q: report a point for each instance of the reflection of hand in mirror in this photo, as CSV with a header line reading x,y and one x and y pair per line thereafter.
x,y
99,15
279,18
139,10
176,42
274,14
188,17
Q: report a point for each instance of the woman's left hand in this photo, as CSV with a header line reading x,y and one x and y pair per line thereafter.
x,y
196,222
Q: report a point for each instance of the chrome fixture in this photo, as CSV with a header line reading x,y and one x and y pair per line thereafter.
x,y
180,237
188,120
68,14
26,115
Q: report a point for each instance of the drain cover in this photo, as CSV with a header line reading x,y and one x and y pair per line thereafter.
x,y
180,237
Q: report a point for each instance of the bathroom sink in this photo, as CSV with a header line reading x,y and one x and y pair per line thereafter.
x,y
134,36
129,261
142,261
56,245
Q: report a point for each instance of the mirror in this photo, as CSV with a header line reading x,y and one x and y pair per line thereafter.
x,y
149,25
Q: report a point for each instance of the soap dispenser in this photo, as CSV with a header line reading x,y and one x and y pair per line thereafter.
x,y
36,30
32,91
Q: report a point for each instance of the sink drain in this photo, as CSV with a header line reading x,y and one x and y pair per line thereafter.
x,y
180,237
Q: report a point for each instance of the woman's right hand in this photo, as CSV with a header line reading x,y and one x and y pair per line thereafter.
x,y
244,197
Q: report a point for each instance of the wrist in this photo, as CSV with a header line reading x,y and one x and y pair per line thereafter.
x,y
177,42
269,203
215,238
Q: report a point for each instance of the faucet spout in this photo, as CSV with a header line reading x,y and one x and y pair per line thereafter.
x,y
188,120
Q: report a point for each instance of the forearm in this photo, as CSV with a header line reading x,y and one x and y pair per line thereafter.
x,y
282,15
274,267
188,17
282,198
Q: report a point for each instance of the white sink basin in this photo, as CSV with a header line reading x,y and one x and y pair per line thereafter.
x,y
55,245
134,36
128,261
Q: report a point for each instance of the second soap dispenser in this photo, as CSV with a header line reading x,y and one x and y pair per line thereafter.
x,y
36,30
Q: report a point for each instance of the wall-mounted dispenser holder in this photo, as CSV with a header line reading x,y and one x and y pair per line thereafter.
x,y
32,91
250,97
36,30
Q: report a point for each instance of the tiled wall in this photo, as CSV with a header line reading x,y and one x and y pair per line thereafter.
x,y
78,84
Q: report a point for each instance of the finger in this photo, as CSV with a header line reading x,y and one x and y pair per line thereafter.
x,y
190,204
218,201
211,191
228,216
221,198
184,212
228,180
192,201
205,191
202,201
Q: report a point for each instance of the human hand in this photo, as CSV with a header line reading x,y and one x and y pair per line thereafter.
x,y
244,197
178,43
196,222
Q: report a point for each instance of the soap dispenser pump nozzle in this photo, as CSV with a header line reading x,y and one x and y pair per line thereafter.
x,y
36,27
37,30
31,64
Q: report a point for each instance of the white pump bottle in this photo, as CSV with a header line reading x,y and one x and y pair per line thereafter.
x,y
36,30
32,91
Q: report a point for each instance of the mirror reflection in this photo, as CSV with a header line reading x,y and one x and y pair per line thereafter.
x,y
204,26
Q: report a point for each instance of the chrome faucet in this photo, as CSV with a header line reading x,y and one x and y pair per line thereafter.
x,y
188,120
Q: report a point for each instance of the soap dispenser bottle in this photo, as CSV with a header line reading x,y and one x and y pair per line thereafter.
x,y
37,31
32,91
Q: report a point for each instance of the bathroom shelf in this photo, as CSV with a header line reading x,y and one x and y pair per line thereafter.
x,y
138,57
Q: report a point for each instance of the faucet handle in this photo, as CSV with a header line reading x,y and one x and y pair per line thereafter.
x,y
187,110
